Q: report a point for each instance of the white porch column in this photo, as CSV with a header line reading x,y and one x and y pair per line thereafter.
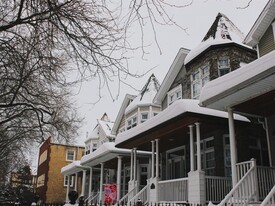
x,y
131,167
83,183
101,182
192,163
233,149
90,182
68,187
118,180
75,181
135,164
153,160
157,158
198,133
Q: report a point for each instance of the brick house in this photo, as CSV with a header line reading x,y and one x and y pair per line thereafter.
x,y
51,184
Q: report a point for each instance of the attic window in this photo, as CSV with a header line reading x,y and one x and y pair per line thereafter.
x,y
223,66
174,94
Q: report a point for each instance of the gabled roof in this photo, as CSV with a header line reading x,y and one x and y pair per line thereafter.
x,y
221,32
105,124
177,108
261,24
127,99
146,96
171,75
241,85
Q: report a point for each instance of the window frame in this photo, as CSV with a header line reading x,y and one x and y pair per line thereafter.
x,y
223,66
66,181
174,93
133,123
141,116
198,80
70,150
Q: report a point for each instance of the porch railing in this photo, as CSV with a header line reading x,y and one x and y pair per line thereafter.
x,y
142,196
243,167
173,190
217,188
245,190
92,198
125,198
266,180
270,198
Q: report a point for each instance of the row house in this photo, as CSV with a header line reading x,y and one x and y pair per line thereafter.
x,y
207,131
105,165
250,91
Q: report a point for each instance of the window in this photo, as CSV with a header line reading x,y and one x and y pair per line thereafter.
x,y
198,79
174,94
70,155
207,156
132,122
144,117
66,181
223,66
94,146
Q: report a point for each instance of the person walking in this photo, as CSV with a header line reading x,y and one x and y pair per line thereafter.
x,y
73,195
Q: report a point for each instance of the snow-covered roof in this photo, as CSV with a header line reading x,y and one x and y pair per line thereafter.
x,y
261,24
177,108
127,99
105,124
105,152
171,75
222,31
146,96
72,168
106,127
247,82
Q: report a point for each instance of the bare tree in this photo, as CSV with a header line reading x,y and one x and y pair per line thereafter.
x,y
43,42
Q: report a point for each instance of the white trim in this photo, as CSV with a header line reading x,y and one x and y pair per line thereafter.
x,y
65,182
174,69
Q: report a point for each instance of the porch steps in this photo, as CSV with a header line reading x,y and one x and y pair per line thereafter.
x,y
254,203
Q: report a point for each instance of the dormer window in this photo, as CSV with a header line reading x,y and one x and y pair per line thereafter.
x,y
223,66
198,79
132,122
174,94
143,117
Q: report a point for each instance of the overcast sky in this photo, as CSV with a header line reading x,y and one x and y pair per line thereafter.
x,y
197,18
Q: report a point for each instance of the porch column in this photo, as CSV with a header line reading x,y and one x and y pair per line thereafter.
x,y
83,183
192,163
68,187
75,181
233,149
157,158
135,164
101,182
131,167
198,133
90,182
153,160
118,180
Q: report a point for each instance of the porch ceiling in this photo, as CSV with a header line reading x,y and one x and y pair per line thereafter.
x,y
263,105
175,132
